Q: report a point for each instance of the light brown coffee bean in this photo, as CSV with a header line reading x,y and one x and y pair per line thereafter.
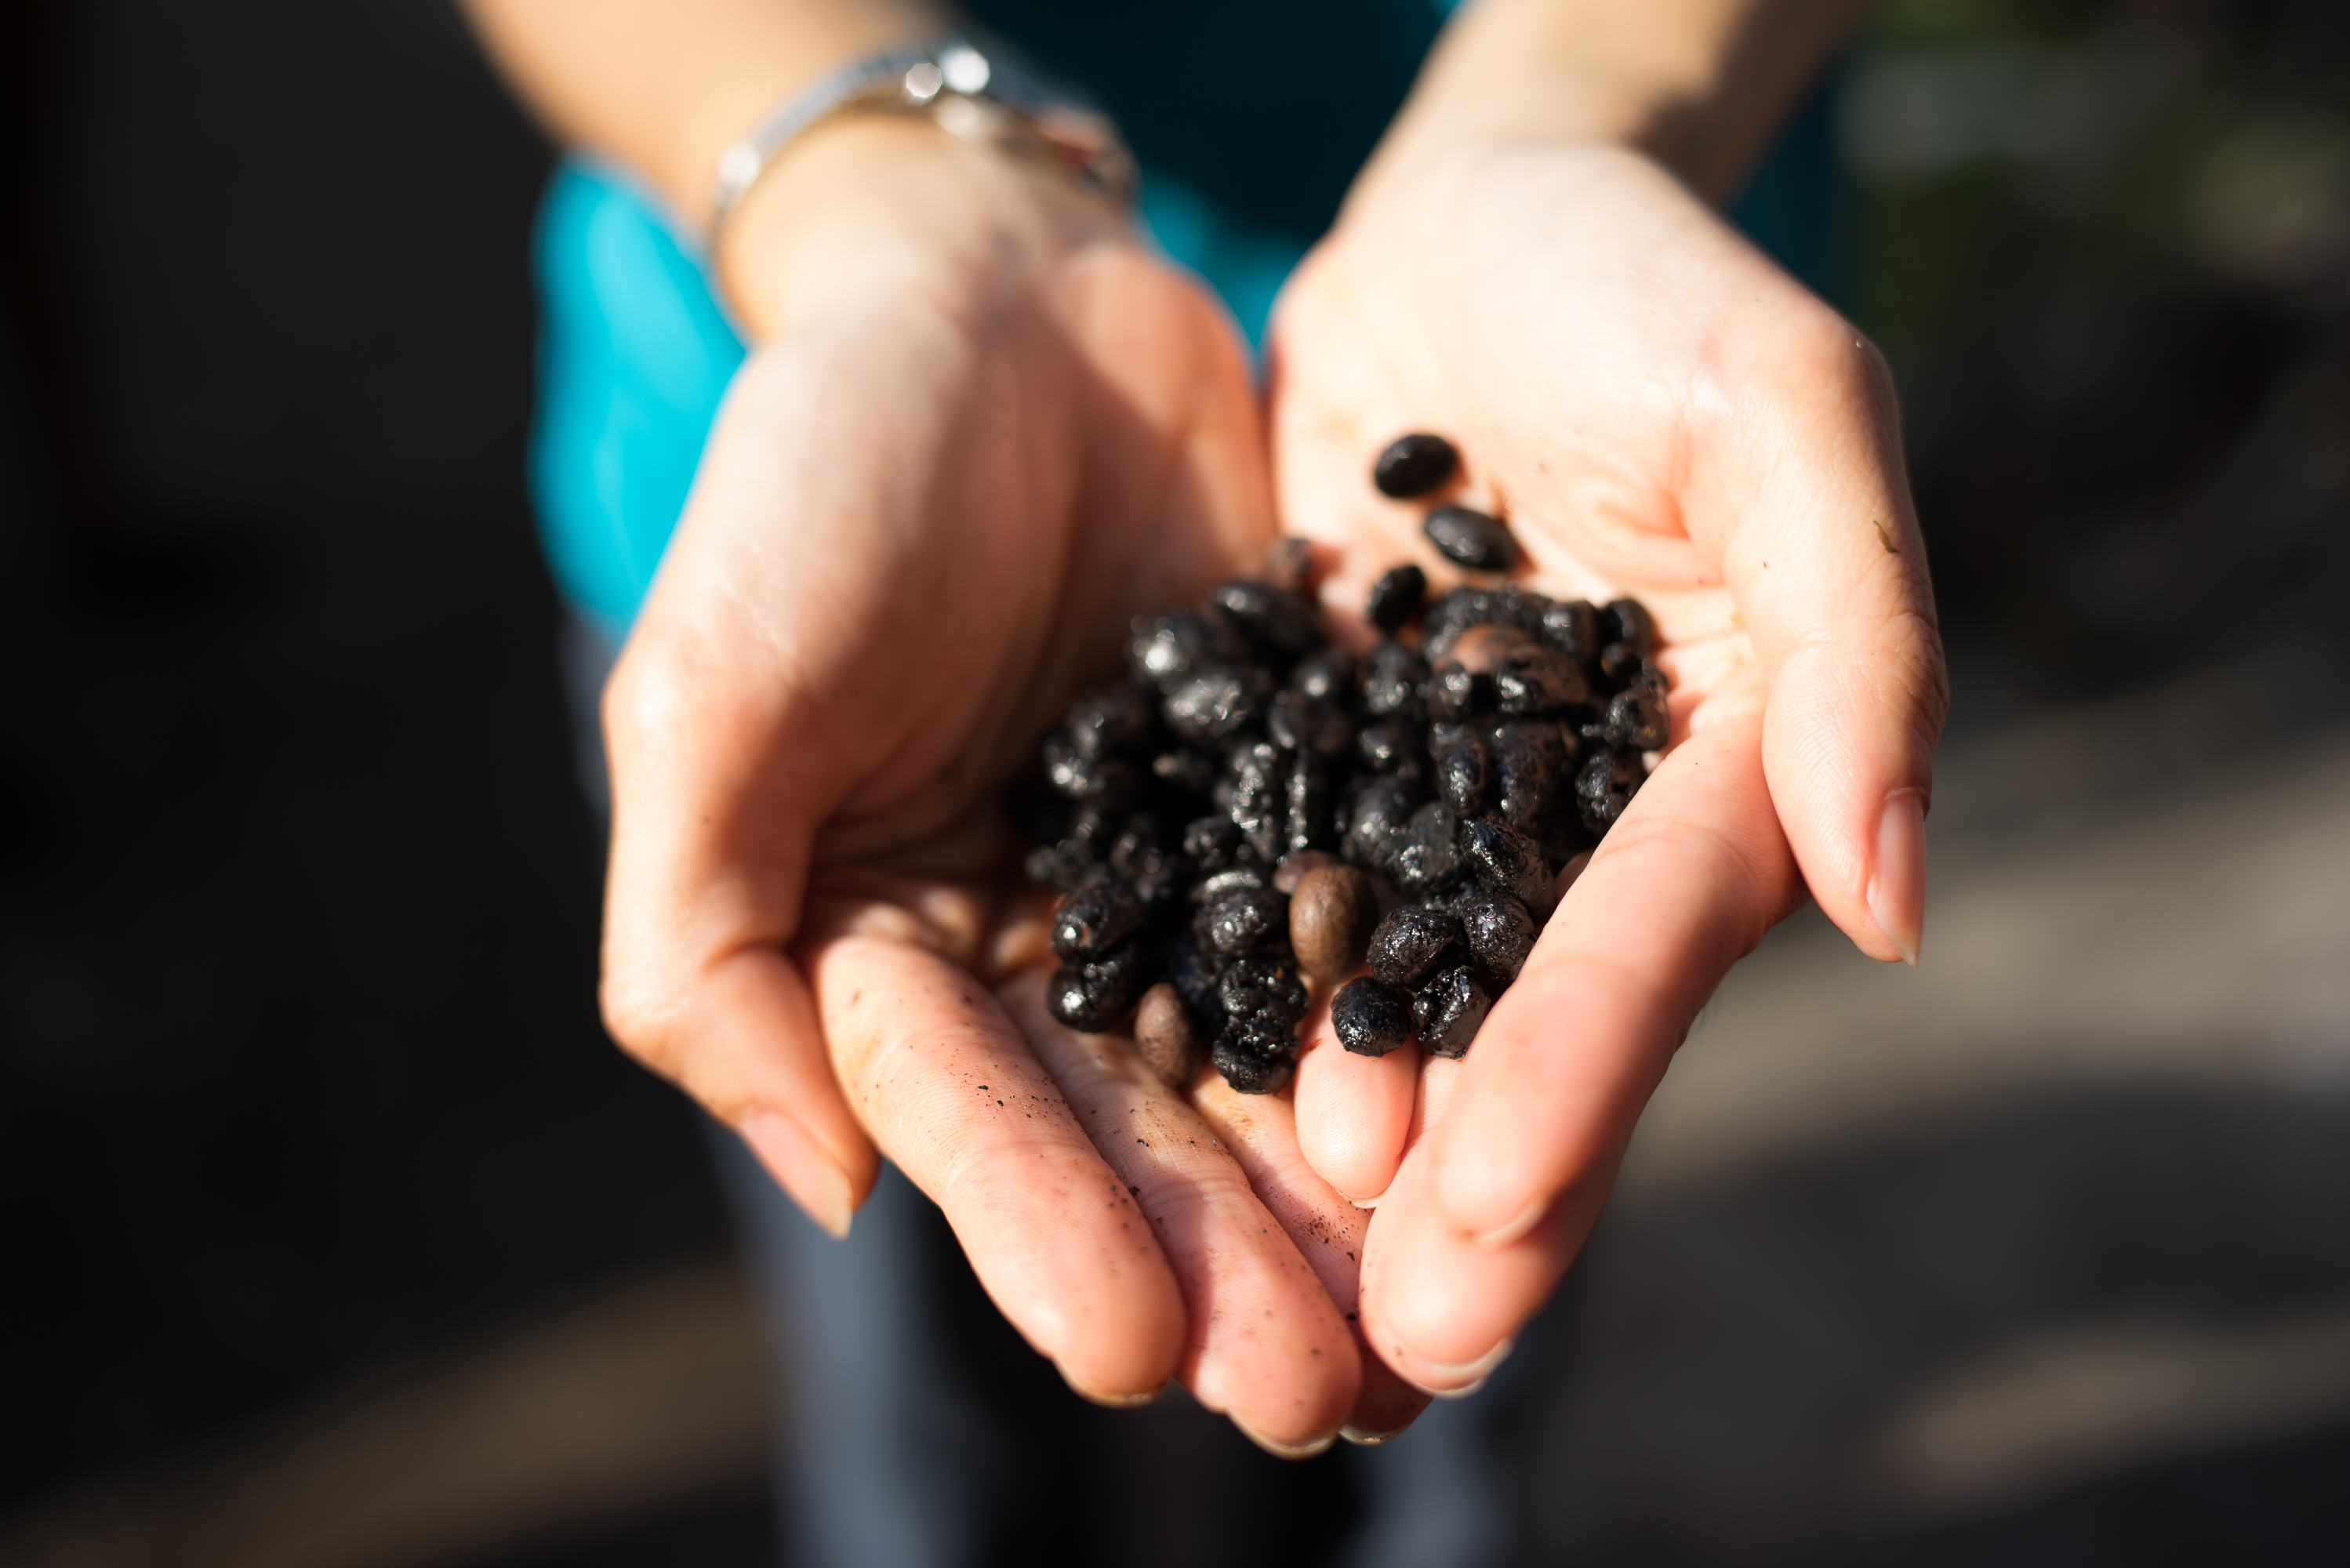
x,y
1292,871
1164,1033
1331,918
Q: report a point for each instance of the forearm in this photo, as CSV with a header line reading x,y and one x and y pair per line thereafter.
x,y
664,85
1697,84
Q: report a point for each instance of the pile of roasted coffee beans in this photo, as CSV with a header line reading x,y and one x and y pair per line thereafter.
x,y
1253,810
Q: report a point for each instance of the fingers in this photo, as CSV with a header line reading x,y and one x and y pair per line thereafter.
x,y
953,1093
1266,1346
1690,879
1261,1132
1353,1113
1819,545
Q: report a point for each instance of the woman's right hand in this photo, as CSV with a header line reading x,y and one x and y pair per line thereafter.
x,y
983,429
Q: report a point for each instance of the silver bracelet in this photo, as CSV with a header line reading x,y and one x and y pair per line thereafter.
x,y
967,92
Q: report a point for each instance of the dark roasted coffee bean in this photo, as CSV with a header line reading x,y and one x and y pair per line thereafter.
x,y
1501,933
1103,782
1255,1058
1413,943
1167,1038
1508,864
1424,858
1396,598
1331,917
1370,1018
1605,787
1627,622
1296,722
1392,681
1540,681
1110,720
1454,694
1414,464
1090,923
1254,986
1452,613
1572,627
1223,884
1470,538
1241,921
1381,808
1531,755
1169,650
1213,843
1289,564
1619,663
1186,768
1259,801
1382,746
1464,775
1446,1012
1326,677
1093,997
1093,828
1212,707
1636,720
1307,820
1192,970
1274,618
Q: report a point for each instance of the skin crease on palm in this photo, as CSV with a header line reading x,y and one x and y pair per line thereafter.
x,y
994,428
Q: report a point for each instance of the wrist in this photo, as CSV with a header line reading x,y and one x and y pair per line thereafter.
x,y
875,204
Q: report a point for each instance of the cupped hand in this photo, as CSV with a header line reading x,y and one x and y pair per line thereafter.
x,y
984,430
1660,412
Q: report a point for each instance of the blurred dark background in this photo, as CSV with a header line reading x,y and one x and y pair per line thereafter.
x,y
335,1232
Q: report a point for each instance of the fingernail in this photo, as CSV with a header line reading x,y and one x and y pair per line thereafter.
x,y
818,1186
1304,1450
1372,1203
1113,1401
1471,1377
1363,1439
1896,887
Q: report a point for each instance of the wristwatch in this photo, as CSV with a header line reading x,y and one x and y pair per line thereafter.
x,y
980,94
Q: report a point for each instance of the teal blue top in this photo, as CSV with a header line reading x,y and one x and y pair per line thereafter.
x,y
635,351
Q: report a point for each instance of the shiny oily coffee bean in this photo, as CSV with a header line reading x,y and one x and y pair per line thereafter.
x,y
1263,987
1241,921
1331,918
1413,943
1369,1017
1508,864
1464,775
1500,934
1326,677
1396,598
1165,1036
1473,539
1412,465
1448,1010
1255,1058
1091,922
1605,787
1091,998
1425,858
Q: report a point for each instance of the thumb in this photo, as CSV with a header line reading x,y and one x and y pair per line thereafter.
x,y
1824,559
